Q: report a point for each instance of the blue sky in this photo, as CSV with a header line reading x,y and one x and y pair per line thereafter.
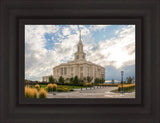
x,y
111,46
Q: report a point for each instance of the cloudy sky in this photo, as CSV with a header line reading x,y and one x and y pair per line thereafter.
x,y
111,46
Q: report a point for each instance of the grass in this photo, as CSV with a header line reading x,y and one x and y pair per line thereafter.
x,y
30,92
70,86
42,93
125,91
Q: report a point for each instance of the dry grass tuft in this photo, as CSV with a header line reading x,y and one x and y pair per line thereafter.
x,y
42,93
30,92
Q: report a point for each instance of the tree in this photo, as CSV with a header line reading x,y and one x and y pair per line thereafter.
x,y
51,79
102,80
61,80
76,80
84,79
97,81
129,80
112,81
71,80
89,79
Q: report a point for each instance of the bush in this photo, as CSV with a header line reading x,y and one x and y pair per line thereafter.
x,y
62,89
37,87
30,92
51,87
54,87
87,84
42,93
61,80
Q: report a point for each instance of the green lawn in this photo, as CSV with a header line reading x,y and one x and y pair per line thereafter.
x,y
125,91
69,86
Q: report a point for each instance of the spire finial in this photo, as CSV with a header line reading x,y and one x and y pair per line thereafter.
x,y
80,35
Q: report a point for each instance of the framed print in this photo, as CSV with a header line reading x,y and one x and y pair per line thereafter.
x,y
89,61
72,61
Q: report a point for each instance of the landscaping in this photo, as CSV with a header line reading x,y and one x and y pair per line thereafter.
x,y
126,88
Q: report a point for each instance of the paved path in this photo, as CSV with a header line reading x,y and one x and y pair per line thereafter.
x,y
91,93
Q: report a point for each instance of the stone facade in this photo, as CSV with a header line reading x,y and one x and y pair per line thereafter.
x,y
79,66
45,78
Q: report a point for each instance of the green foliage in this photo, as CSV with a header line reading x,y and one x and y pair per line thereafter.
x,y
129,79
71,80
63,89
89,79
112,81
61,80
102,80
76,80
51,79
99,81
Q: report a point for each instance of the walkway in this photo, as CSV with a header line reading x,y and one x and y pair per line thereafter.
x,y
91,93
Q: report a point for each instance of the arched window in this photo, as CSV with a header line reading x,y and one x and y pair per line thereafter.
x,y
77,56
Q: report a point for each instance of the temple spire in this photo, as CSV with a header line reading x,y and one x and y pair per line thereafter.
x,y
80,35
80,42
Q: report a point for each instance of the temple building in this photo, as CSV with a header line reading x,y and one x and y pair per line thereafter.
x,y
78,67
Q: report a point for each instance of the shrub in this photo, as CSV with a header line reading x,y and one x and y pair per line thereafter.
x,y
42,93
62,89
54,87
61,80
50,87
51,79
37,87
87,84
30,92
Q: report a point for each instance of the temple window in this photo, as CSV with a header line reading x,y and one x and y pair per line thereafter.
x,y
61,71
65,71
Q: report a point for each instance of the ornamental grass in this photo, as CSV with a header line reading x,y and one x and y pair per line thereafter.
x,y
30,92
51,87
62,89
54,87
87,84
126,87
37,87
42,93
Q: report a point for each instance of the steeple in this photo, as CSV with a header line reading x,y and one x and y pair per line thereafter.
x,y
80,41
80,55
80,45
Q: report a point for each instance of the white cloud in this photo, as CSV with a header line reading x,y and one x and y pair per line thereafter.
x,y
98,27
116,51
39,61
66,31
